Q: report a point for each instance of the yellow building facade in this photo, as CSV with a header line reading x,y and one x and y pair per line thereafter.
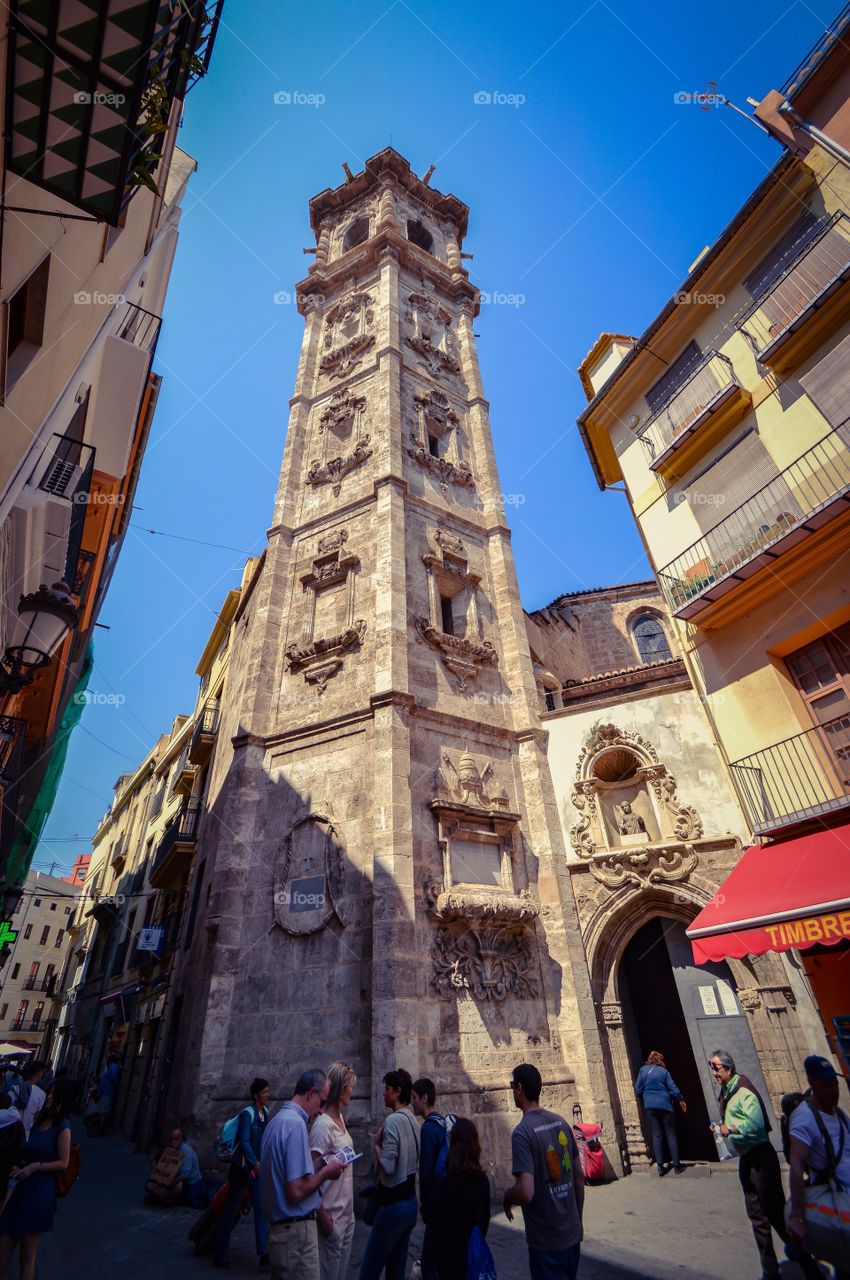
x,y
728,423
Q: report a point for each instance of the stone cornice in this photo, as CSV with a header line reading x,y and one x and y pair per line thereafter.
x,y
387,164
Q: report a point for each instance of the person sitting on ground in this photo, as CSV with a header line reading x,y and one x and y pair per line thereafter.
x,y
185,1186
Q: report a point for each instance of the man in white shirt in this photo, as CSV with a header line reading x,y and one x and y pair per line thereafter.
x,y
32,1077
808,1148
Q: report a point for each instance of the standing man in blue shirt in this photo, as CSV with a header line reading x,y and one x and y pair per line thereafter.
x,y
289,1186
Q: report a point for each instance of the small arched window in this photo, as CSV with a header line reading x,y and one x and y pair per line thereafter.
x,y
356,234
418,234
650,639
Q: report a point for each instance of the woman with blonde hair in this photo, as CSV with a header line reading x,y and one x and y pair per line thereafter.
x,y
658,1092
328,1135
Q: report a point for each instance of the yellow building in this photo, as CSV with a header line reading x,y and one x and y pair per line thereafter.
x,y
728,421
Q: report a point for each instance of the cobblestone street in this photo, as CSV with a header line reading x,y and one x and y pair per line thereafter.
x,y
692,1227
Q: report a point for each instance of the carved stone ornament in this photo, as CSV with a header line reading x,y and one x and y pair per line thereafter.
x,y
442,469
464,658
332,541
341,411
489,962
612,1014
321,659
430,321
643,867
478,906
750,998
346,337
678,822
309,877
333,471
466,784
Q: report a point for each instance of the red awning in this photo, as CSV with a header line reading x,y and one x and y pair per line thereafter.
x,y
779,896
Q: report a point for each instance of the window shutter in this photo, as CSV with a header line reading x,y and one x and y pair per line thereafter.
x,y
676,374
828,385
782,254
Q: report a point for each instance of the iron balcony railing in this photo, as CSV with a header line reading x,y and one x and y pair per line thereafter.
x,y
706,386
31,984
140,327
183,830
787,505
830,37
821,264
208,720
805,776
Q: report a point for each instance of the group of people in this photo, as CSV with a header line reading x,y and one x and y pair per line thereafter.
x,y
817,1146
35,1146
298,1168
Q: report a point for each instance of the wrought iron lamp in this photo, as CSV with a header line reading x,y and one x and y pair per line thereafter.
x,y
45,617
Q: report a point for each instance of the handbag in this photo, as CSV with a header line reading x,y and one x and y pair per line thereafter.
x,y
66,1178
480,1264
826,1206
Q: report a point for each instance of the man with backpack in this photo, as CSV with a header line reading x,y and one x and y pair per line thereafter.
x,y
745,1126
433,1159
820,1143
244,1174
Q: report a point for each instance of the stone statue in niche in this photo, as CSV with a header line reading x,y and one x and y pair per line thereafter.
x,y
629,823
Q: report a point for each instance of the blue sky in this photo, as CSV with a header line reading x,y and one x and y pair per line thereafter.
x,y
589,200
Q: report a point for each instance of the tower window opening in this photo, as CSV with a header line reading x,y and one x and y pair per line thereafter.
x,y
417,234
356,234
447,615
433,446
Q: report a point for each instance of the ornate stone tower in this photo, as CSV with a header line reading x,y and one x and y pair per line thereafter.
x,y
386,869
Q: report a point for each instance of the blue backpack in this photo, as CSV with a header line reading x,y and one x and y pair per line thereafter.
x,y
441,1163
480,1264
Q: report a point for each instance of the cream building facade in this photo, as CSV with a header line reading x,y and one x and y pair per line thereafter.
x,y
36,960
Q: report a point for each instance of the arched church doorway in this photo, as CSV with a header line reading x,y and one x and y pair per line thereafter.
x,y
686,1013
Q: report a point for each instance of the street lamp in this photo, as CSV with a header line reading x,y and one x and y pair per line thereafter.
x,y
45,617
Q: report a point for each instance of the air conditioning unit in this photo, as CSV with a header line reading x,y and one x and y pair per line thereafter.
x,y
55,475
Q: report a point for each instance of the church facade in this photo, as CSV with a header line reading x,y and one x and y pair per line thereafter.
x,y
434,826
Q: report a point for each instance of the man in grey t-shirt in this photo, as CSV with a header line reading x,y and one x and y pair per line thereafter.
x,y
549,1182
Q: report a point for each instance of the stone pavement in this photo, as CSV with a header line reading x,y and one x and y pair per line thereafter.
x,y
687,1228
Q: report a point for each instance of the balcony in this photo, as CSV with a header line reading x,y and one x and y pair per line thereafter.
x,y
203,737
175,850
793,517
710,402
32,984
806,776
807,303
89,100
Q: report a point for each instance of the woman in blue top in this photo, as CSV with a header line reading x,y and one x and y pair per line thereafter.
x,y
244,1174
658,1091
31,1207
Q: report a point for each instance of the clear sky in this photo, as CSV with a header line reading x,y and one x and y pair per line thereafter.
x,y
591,192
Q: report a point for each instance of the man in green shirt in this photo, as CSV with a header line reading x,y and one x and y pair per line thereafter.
x,y
745,1126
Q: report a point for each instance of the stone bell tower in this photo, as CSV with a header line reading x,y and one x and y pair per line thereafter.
x,y
387,874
